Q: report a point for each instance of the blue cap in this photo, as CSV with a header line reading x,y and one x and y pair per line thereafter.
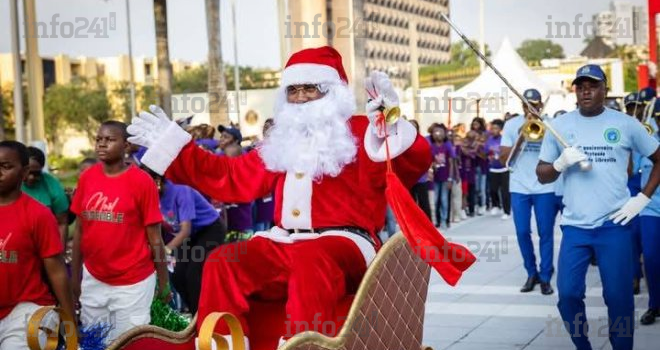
x,y
646,94
235,133
532,95
631,98
590,71
612,104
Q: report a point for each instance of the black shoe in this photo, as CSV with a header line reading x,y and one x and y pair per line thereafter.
x,y
636,286
649,316
529,285
546,288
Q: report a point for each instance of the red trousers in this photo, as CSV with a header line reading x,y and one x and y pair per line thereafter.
x,y
311,276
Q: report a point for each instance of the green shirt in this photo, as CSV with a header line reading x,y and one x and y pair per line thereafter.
x,y
49,192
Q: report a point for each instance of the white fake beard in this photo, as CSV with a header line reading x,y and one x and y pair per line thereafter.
x,y
313,138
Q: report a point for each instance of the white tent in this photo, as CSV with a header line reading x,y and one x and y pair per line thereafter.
x,y
493,96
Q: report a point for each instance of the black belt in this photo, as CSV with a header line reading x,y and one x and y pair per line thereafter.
x,y
352,229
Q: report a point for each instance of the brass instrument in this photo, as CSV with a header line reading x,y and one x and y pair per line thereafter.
x,y
533,130
648,114
584,165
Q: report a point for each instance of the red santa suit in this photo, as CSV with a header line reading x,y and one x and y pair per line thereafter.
x,y
325,232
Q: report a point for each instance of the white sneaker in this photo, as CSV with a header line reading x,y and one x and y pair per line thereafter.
x,y
463,215
495,211
505,217
481,210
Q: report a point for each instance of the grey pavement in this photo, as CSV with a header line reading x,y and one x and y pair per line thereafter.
x,y
487,311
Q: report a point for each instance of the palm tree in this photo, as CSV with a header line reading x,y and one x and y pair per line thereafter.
x,y
163,57
217,86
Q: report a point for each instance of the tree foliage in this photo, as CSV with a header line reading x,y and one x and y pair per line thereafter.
x,y
537,49
463,56
81,106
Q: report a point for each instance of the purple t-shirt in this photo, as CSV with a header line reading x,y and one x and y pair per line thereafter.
x,y
468,164
239,216
492,148
442,154
211,144
180,203
264,209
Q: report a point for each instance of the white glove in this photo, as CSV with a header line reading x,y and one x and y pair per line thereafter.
x,y
568,158
629,210
147,128
381,92
163,138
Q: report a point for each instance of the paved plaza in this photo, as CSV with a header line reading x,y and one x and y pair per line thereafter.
x,y
487,311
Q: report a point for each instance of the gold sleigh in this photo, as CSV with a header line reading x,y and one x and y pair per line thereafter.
x,y
386,313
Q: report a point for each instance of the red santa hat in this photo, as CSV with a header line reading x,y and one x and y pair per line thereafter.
x,y
314,66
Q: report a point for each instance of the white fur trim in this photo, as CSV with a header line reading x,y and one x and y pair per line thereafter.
x,y
297,199
367,249
309,73
163,152
277,234
401,136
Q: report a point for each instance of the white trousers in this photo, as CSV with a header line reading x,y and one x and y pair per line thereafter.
x,y
123,307
13,328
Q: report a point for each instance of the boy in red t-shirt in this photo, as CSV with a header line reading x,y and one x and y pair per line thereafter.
x,y
118,239
29,244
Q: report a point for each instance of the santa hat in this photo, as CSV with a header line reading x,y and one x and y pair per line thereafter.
x,y
314,66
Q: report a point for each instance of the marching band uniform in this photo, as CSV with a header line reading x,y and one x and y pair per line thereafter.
x,y
528,193
588,225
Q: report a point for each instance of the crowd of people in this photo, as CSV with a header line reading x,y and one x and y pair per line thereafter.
x,y
148,213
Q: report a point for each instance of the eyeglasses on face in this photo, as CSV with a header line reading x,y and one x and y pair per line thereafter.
x,y
307,89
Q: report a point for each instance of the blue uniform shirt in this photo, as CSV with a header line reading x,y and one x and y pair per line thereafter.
x,y
607,139
653,209
523,170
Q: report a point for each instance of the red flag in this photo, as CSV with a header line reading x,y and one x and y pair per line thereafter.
x,y
449,259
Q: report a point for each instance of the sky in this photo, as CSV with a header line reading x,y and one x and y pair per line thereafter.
x,y
258,40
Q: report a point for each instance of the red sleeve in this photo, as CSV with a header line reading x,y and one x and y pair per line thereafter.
x,y
225,179
46,234
414,162
148,199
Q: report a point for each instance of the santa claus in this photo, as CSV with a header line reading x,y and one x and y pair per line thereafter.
x,y
326,168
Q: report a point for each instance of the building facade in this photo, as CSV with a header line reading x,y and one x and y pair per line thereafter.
x,y
372,35
622,24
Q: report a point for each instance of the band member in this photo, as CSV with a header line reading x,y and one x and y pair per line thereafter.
x,y
528,194
650,232
598,205
327,170
634,108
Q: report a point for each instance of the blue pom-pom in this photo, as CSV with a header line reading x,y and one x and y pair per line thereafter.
x,y
93,336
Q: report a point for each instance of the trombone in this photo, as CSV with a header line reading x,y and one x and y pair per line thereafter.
x,y
532,131
585,165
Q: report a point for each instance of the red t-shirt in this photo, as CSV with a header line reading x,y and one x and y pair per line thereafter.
x,y
28,234
114,212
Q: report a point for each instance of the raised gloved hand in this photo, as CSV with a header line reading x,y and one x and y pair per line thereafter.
x,y
381,93
569,157
162,137
629,210
382,96
146,128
